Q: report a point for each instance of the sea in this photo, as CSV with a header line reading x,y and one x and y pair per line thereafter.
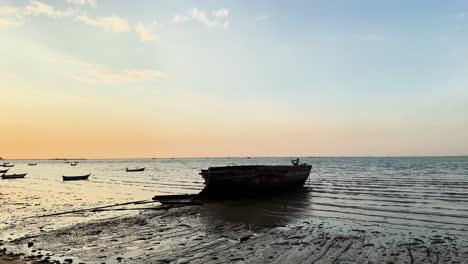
x,y
401,193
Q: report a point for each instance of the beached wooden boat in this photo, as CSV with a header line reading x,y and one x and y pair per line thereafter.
x,y
4,171
76,178
13,176
134,169
32,164
252,180
73,164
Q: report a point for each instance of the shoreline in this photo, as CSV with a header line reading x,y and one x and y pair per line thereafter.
x,y
214,233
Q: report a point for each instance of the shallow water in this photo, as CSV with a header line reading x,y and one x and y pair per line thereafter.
x,y
400,193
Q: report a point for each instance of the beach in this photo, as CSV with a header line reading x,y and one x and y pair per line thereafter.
x,y
370,210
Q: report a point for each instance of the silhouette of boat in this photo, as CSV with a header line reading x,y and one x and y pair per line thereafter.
x,y
253,180
76,178
4,171
13,176
73,164
32,164
134,169
8,165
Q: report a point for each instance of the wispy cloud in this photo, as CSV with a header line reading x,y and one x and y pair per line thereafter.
x,y
223,12
39,8
92,73
91,3
217,17
13,15
8,22
112,23
9,10
145,33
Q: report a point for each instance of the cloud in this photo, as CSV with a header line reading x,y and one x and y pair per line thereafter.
x,y
223,12
92,73
9,10
112,23
91,3
8,22
144,33
38,8
218,17
13,16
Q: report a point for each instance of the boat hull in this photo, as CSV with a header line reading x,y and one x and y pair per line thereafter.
x,y
4,171
13,176
242,181
76,178
134,170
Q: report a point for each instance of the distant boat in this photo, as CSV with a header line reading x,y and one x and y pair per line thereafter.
x,y
4,171
134,169
6,163
13,176
76,178
32,164
73,164
241,181
8,166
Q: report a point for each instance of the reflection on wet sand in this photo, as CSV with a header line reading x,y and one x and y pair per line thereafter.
x,y
262,211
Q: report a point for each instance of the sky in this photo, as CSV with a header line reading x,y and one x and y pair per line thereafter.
x,y
217,78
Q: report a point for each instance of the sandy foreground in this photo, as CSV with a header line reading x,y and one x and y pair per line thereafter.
x,y
233,233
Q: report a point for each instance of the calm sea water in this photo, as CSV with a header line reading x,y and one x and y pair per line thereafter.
x,y
402,193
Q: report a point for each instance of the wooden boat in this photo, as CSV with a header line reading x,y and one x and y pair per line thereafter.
x,y
76,178
4,171
252,180
32,164
134,169
73,164
8,165
13,176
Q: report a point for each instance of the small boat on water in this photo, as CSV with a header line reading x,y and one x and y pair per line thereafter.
x,y
4,171
76,178
73,164
32,164
134,169
13,176
8,165
253,180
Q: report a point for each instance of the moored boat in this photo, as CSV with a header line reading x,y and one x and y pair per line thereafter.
x,y
252,180
73,164
8,165
134,169
76,178
13,176
32,164
4,171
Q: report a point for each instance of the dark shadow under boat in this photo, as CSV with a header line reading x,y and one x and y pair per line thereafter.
x,y
76,178
13,176
262,211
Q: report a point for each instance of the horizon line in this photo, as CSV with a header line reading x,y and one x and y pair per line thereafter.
x,y
223,157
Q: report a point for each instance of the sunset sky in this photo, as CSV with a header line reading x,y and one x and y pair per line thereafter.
x,y
125,79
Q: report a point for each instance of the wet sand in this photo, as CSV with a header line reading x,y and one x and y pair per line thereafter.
x,y
402,210
221,233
